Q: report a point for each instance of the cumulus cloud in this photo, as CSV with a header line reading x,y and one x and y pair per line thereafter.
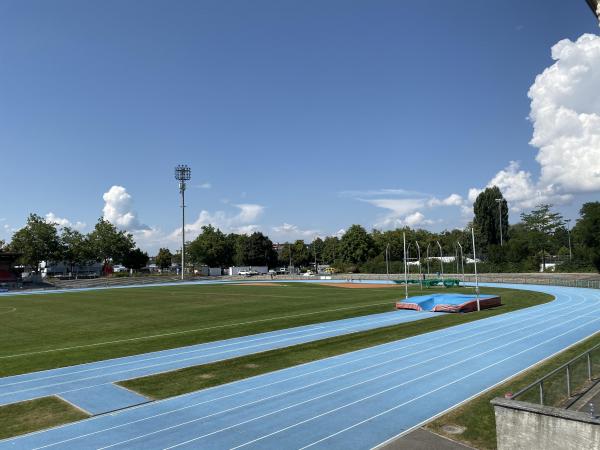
x,y
565,110
451,200
407,210
290,232
415,219
565,113
62,222
240,222
118,209
206,185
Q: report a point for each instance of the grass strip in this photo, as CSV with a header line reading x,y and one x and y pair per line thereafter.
x,y
208,375
34,415
477,416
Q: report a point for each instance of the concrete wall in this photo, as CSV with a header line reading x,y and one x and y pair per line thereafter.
x,y
521,425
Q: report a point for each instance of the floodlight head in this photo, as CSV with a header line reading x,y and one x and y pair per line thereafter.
x,y
183,172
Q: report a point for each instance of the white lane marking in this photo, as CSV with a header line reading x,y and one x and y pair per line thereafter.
x,y
233,342
493,338
326,331
400,385
478,394
440,334
444,386
154,336
427,350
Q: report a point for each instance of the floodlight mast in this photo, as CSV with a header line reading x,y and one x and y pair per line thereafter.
x,y
182,174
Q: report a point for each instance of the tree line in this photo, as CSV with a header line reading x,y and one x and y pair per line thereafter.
x,y
540,234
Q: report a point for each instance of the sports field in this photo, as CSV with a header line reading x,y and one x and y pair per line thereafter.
x,y
355,400
47,331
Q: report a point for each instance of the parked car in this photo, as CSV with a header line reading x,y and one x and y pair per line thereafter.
x,y
308,273
119,268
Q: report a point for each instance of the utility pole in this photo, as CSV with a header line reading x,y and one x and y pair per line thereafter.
x,y
462,261
499,201
405,274
568,221
475,264
441,258
387,260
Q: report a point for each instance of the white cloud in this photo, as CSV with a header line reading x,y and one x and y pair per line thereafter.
x,y
415,219
382,192
290,232
407,211
451,200
241,222
118,209
398,206
339,233
206,185
248,212
565,112
62,222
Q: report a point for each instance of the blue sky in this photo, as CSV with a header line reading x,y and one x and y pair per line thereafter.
x,y
297,117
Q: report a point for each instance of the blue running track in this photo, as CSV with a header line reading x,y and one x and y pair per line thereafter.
x,y
353,401
90,386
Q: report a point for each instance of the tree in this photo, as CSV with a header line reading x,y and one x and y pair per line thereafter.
x,y
330,249
164,258
259,250
75,248
109,243
135,259
3,245
487,218
356,245
542,224
587,231
316,251
211,248
37,241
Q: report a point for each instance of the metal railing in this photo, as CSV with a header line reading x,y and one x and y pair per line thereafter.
x,y
566,384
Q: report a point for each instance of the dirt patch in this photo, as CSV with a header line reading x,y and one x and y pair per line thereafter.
x,y
251,366
360,285
206,376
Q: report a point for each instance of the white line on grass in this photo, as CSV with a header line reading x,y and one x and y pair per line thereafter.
x,y
154,336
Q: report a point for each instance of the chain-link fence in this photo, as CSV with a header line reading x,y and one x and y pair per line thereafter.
x,y
564,385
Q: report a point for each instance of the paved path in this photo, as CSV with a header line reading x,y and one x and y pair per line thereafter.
x,y
90,386
353,401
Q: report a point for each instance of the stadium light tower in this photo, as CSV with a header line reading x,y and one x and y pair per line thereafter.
x,y
182,174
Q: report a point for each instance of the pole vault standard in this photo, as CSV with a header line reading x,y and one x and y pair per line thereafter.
x,y
420,274
441,258
405,273
475,264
